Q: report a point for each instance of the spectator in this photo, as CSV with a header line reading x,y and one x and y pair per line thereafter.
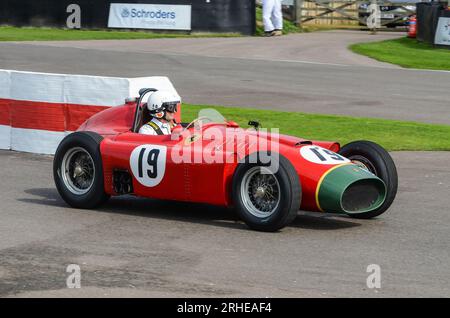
x,y
272,17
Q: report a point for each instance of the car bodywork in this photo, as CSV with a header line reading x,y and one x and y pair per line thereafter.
x,y
329,182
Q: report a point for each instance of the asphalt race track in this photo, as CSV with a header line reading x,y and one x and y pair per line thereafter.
x,y
141,247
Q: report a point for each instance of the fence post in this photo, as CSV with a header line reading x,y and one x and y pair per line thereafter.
x,y
298,4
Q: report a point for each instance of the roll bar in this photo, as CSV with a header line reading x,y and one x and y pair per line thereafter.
x,y
138,111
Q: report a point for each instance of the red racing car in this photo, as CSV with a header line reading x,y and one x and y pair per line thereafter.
x,y
267,177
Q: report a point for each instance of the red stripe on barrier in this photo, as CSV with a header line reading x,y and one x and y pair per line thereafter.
x,y
48,116
37,115
78,114
45,116
4,112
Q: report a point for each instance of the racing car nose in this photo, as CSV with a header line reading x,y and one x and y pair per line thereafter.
x,y
350,189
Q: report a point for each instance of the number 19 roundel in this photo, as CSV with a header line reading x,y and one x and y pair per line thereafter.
x,y
148,164
321,155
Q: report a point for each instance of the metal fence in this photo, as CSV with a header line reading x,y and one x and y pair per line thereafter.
x,y
346,11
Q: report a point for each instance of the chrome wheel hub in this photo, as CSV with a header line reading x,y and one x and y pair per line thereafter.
x,y
363,163
260,192
78,171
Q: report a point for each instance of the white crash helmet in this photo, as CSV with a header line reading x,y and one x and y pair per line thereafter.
x,y
161,101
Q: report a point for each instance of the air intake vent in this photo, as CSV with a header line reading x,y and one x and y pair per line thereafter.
x,y
123,183
362,195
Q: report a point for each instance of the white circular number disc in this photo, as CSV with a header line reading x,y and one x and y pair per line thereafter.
x,y
148,164
321,155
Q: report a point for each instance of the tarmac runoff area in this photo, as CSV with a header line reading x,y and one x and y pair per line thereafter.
x,y
141,247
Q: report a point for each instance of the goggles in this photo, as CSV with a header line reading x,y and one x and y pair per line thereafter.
x,y
171,107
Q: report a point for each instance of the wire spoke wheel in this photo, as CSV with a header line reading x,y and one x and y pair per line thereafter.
x,y
78,171
260,192
266,197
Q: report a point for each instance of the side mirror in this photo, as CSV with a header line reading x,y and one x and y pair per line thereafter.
x,y
254,123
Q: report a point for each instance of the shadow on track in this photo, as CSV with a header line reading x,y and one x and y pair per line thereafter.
x,y
186,211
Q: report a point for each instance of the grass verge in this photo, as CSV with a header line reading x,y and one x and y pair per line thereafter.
x,y
391,134
8,33
406,52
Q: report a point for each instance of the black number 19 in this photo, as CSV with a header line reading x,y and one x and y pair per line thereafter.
x,y
330,154
152,160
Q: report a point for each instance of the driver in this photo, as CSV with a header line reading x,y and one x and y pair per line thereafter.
x,y
162,106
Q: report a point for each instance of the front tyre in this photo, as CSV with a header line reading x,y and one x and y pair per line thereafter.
x,y
377,160
78,170
266,200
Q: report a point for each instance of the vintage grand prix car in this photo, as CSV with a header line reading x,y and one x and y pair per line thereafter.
x,y
267,177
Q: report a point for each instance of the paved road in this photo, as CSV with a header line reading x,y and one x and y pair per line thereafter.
x,y
318,47
306,72
139,247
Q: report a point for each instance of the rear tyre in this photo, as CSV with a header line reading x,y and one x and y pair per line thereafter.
x,y
266,200
377,160
78,170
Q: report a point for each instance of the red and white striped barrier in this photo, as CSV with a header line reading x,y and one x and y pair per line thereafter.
x,y
38,109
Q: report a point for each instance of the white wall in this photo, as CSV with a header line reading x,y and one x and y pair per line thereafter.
x,y
61,90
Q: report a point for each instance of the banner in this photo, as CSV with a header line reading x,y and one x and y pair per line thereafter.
x,y
442,36
231,16
149,16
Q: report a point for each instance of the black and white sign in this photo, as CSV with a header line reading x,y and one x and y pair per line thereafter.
x,y
442,35
149,16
